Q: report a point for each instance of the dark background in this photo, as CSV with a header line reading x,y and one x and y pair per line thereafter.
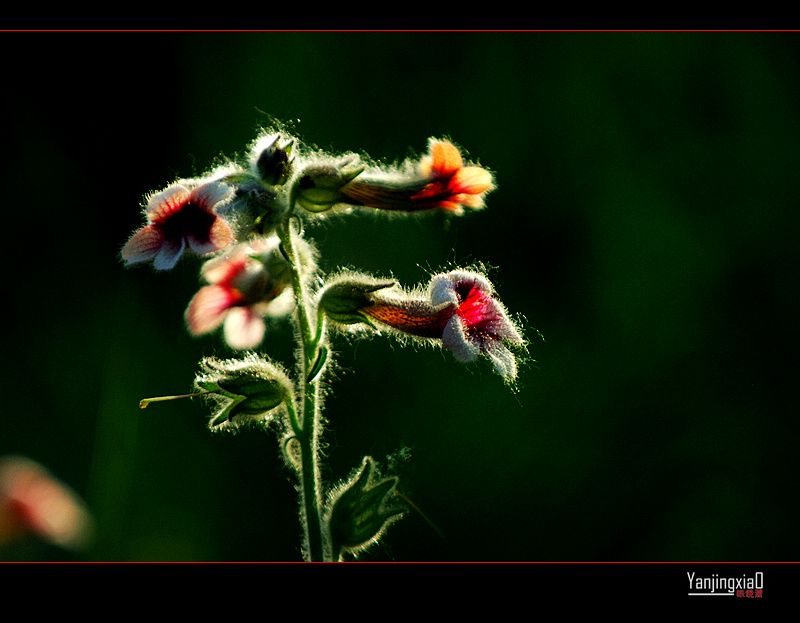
x,y
645,223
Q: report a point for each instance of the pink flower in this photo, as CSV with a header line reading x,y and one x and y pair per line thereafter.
x,y
439,181
32,501
177,218
247,283
480,324
461,311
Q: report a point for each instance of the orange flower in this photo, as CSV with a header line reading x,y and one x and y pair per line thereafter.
x,y
453,186
439,181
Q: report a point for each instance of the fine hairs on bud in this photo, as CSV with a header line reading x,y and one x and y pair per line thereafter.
x,y
368,285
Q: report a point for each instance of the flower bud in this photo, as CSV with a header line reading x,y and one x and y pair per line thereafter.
x,y
344,301
359,514
274,161
318,187
244,390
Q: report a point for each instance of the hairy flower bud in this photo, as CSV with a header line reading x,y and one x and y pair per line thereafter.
x,y
274,159
243,390
360,514
344,301
259,203
318,186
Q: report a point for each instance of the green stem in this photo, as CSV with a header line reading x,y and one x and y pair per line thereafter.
x,y
307,426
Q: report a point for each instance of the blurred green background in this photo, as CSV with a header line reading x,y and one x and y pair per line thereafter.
x,y
645,223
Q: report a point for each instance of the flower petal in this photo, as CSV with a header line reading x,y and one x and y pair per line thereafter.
x,y
471,181
456,340
223,267
243,328
210,194
164,203
208,308
221,234
442,288
281,305
500,327
503,359
169,254
445,158
143,245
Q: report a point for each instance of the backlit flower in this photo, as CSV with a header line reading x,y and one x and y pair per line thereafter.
x,y
246,284
439,181
178,218
460,311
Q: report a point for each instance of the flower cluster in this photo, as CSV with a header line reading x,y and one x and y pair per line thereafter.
x,y
236,202
247,220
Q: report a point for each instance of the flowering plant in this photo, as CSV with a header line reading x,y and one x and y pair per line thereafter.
x,y
247,220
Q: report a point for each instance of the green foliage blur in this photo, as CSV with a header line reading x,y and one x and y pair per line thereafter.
x,y
645,223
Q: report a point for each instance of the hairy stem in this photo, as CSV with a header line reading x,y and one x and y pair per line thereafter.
x,y
307,426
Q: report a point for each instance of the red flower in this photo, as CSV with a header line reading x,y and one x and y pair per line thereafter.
x,y
178,217
440,181
244,288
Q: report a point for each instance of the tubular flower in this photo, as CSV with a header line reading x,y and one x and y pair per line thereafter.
x,y
411,317
460,312
246,284
179,217
439,181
